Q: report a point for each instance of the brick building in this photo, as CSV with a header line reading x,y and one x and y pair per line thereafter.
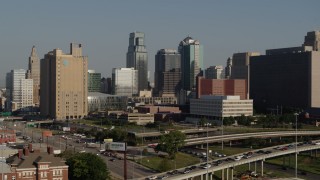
x,y
31,164
7,136
222,87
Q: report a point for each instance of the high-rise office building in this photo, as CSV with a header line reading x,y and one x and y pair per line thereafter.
x,y
33,73
191,62
313,39
228,67
125,81
20,90
214,72
287,77
64,84
106,85
137,58
240,65
94,81
167,75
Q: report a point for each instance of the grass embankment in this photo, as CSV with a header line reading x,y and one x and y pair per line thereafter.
x,y
227,150
182,160
305,162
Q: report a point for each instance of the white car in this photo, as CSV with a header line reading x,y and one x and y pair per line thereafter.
x,y
206,166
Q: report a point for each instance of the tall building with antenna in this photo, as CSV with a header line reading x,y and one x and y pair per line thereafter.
x,y
137,58
33,73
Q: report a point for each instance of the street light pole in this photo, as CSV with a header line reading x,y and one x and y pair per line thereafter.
x,y
222,130
296,154
207,150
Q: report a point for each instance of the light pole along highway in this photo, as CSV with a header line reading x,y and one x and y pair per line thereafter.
x,y
296,153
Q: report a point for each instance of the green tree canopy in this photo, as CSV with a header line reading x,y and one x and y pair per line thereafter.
x,y
228,121
86,166
171,142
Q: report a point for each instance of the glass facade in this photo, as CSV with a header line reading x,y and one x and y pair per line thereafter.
x,y
94,84
103,102
125,81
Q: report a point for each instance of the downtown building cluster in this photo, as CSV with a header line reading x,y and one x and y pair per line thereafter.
x,y
62,87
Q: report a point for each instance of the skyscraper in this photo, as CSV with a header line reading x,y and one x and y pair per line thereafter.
x,y
191,62
137,58
33,73
125,81
94,81
287,77
214,72
20,90
313,39
64,84
240,65
167,75
228,67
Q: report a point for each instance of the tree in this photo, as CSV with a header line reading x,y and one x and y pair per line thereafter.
x,y
171,142
203,121
245,121
228,121
85,166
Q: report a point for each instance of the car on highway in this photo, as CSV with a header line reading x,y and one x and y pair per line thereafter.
x,y
206,166
163,177
260,152
173,172
152,177
187,170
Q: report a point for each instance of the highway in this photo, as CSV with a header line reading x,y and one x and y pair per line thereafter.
x,y
231,162
229,137
115,167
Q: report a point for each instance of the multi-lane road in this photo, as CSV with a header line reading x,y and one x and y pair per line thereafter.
x,y
230,162
116,166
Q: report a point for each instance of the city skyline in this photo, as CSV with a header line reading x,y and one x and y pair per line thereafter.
x,y
223,28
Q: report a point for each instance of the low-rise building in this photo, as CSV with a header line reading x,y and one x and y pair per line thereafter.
x,y
103,102
158,109
138,118
7,136
33,165
217,107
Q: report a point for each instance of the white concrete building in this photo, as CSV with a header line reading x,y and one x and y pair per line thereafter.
x,y
221,106
125,81
20,90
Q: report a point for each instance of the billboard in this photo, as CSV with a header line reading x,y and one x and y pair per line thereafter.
x,y
116,146
107,140
46,133
65,129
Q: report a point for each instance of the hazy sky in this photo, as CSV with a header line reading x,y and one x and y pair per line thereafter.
x,y
103,27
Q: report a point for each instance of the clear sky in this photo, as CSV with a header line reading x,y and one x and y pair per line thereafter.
x,y
103,27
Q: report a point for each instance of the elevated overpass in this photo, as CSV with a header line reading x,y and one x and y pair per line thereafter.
x,y
230,137
228,166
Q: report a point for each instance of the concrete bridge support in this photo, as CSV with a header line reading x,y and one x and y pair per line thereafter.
x,y
262,168
232,173
255,166
222,174
227,173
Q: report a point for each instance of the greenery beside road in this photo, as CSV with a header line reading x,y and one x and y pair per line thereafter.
x,y
164,164
227,150
85,166
313,163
